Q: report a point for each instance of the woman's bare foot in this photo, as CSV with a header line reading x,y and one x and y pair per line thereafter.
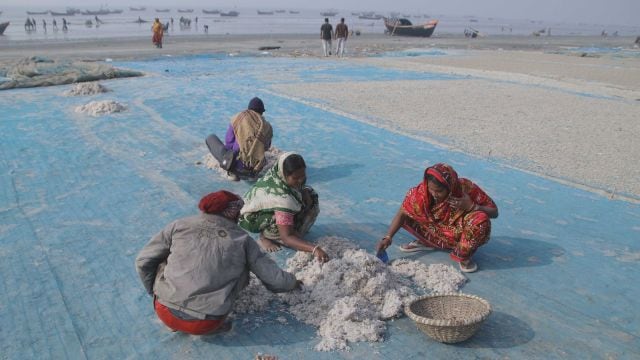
x,y
268,245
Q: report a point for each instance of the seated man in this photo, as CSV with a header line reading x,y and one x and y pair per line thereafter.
x,y
196,266
248,137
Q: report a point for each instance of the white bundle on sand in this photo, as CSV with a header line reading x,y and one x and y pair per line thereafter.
x,y
349,298
97,108
88,88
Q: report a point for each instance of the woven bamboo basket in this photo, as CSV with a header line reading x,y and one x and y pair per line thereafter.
x,y
448,318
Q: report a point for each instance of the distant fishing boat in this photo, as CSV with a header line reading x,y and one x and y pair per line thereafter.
x,y
185,10
281,11
265,12
403,27
101,12
163,10
230,13
3,26
37,12
294,12
329,13
67,13
142,8
370,17
210,11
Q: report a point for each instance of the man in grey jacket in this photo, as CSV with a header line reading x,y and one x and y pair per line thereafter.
x,y
196,266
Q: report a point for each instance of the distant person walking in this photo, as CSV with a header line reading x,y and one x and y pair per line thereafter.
x,y
326,34
64,25
342,33
55,25
158,32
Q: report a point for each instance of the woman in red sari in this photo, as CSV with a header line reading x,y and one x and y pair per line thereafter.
x,y
445,212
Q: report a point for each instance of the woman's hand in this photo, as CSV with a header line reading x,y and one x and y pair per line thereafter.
x,y
320,255
383,244
307,200
463,203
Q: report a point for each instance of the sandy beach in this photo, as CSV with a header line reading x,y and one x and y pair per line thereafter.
x,y
538,104
90,172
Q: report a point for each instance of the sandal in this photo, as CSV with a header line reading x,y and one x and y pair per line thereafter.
x,y
414,246
469,268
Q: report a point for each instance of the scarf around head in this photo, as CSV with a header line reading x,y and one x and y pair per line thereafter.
x,y
218,202
252,132
271,192
418,204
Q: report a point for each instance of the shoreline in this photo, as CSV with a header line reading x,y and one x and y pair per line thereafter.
x,y
365,45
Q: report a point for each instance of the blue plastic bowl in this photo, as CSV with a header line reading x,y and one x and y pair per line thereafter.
x,y
382,255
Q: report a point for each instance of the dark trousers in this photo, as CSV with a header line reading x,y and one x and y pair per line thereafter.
x,y
219,152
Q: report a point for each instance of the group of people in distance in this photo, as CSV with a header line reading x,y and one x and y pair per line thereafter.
x,y
196,266
341,34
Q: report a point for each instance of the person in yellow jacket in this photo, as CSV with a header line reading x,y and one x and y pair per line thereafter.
x,y
158,32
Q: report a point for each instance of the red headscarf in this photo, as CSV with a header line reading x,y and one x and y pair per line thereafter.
x,y
217,202
417,203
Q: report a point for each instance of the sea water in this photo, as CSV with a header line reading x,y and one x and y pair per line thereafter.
x,y
305,21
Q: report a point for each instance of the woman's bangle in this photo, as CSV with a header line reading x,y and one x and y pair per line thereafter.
x,y
387,237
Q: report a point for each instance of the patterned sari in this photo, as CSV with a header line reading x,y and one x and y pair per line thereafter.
x,y
440,225
158,31
270,194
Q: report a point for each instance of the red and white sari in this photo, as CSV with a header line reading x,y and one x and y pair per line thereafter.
x,y
441,226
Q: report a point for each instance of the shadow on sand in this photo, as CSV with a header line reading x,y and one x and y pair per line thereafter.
x,y
332,172
500,331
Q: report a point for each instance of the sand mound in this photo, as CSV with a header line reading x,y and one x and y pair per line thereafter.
x,y
349,298
97,108
89,88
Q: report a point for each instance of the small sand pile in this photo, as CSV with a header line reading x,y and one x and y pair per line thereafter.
x,y
349,298
97,108
270,155
89,88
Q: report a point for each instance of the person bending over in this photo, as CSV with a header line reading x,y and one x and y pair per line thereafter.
x,y
196,266
282,208
444,212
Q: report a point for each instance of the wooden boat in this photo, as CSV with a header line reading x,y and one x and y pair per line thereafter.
x,y
185,10
204,11
37,12
403,27
265,12
53,13
294,12
142,8
329,13
230,13
3,26
163,10
370,17
97,12
281,11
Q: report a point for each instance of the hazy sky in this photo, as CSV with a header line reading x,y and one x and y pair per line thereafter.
x,y
622,12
